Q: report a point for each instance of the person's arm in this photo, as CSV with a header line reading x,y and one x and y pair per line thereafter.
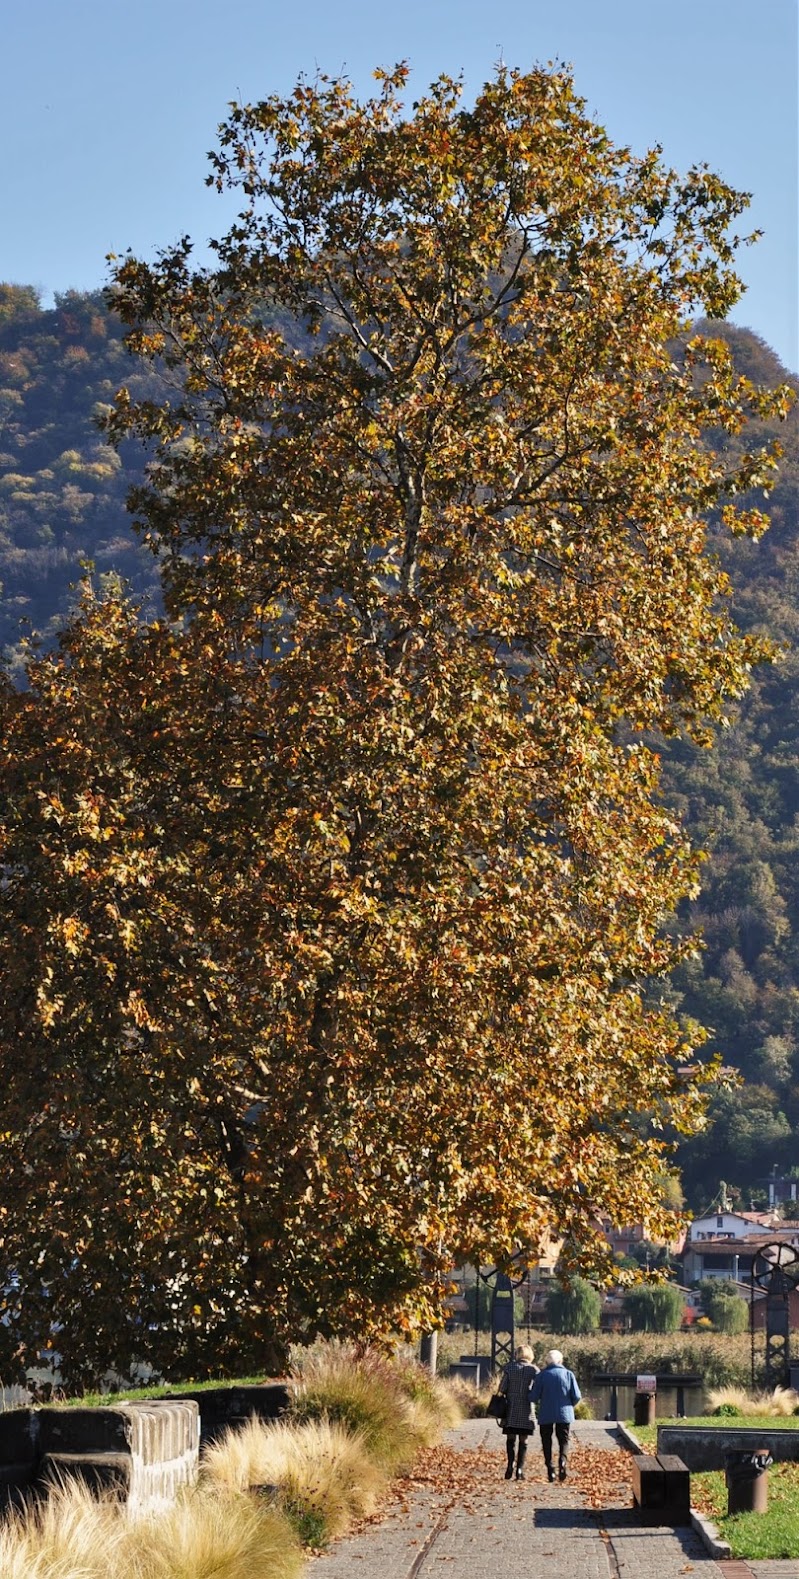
x,y
574,1391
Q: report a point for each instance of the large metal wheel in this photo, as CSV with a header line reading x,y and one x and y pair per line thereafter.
x,y
775,1269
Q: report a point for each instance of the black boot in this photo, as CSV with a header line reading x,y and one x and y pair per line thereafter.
x,y
550,1472
561,1469
509,1470
521,1458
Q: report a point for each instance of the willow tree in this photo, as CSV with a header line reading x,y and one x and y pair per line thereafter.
x,y
335,899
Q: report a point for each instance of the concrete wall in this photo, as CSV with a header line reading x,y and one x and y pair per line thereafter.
x,y
221,1407
144,1452
18,1455
704,1447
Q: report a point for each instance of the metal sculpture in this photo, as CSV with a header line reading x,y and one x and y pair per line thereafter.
x,y
502,1324
775,1270
502,1313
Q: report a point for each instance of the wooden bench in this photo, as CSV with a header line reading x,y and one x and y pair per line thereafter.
x,y
661,1489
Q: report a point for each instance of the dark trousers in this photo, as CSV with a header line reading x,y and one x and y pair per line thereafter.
x,y
510,1443
561,1429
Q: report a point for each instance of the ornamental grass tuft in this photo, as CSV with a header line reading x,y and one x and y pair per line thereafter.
x,y
73,1535
390,1404
781,1403
318,1473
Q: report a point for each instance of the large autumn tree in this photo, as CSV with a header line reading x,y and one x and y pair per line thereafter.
x,y
333,901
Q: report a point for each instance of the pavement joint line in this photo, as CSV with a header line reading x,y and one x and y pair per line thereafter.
x,y
421,1556
610,1550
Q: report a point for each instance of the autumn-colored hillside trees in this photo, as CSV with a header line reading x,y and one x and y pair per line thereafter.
x,y
333,900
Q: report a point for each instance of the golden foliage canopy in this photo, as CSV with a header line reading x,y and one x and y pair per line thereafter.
x,y
332,901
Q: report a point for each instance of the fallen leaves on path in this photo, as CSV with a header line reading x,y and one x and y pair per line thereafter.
x,y
602,1477
452,1472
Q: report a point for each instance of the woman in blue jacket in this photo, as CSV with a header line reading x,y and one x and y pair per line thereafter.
x,y
555,1393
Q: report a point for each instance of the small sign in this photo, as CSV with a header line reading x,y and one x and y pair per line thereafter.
x,y
646,1384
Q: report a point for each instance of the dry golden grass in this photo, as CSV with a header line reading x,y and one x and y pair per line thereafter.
x,y
72,1535
322,1474
396,1406
204,1536
355,1422
782,1402
437,1401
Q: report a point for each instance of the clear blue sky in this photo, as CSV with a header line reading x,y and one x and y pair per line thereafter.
x,y
108,108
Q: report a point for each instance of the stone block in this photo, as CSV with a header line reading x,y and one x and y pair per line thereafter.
x,y
144,1451
221,1407
15,1483
66,1430
101,1472
18,1436
165,1449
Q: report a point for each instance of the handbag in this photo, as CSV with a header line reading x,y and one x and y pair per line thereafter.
x,y
498,1406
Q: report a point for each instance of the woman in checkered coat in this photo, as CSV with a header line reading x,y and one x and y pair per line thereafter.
x,y
519,1423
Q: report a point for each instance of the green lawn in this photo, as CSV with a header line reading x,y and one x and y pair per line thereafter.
x,y
131,1394
774,1534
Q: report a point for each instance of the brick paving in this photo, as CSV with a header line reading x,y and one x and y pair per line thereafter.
x,y
528,1528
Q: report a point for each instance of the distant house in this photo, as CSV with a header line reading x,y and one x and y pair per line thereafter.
x,y
730,1255
781,1188
624,1241
726,1224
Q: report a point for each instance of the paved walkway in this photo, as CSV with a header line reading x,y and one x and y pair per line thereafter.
x,y
486,1528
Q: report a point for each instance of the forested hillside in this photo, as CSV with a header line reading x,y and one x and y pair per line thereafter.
x,y
741,803
62,488
62,500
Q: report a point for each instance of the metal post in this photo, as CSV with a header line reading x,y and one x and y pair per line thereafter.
x,y
428,1351
752,1330
502,1334
476,1307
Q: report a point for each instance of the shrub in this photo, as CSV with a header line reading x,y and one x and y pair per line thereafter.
x,y
730,1314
